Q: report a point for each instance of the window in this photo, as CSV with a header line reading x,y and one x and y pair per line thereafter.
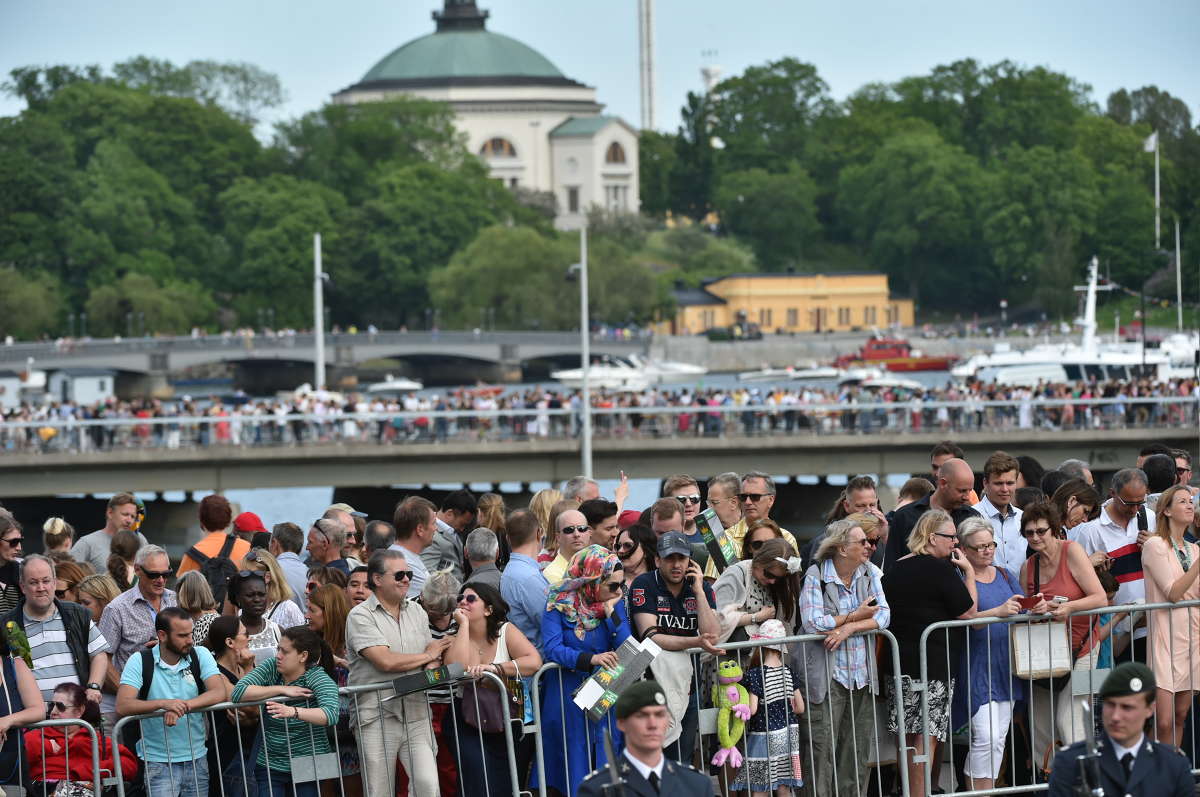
x,y
764,317
616,197
615,153
573,199
843,316
893,314
818,318
707,319
498,148
869,315
793,317
512,182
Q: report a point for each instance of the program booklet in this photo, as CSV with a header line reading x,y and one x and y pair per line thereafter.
x,y
599,693
720,547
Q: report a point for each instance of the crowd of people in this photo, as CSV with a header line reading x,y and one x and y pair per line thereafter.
x,y
300,625
320,416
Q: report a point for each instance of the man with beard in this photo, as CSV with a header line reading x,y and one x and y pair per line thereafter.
x,y
179,679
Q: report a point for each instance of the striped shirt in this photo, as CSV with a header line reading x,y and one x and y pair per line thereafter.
x,y
291,738
53,663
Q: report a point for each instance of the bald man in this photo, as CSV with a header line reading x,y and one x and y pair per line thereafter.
x,y
955,484
574,534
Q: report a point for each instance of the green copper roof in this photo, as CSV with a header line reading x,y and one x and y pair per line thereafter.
x,y
581,126
455,54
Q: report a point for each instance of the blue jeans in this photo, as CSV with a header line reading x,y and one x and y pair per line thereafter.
x,y
185,779
279,784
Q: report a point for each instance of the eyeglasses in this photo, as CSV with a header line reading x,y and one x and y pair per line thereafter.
x,y
1181,471
1136,504
688,499
155,575
310,586
752,497
772,577
1040,531
403,575
252,556
575,529
56,705
615,586
984,548
864,542
468,599
945,536
874,543
756,544
14,541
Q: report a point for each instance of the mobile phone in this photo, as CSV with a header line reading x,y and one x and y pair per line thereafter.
x,y
1061,599
1030,602
870,601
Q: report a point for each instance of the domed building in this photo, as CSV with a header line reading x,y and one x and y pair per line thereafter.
x,y
534,127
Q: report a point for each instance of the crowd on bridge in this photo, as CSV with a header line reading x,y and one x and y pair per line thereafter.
x,y
552,412
536,600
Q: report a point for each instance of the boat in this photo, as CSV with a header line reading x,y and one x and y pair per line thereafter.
x,y
666,372
392,386
1087,360
609,373
766,374
894,354
809,373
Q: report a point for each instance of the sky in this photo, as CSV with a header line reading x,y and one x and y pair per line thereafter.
x,y
318,48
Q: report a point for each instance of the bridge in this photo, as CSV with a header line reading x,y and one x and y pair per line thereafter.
x,y
369,450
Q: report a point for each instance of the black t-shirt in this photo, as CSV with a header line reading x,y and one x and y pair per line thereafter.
x,y
676,615
922,590
10,587
904,520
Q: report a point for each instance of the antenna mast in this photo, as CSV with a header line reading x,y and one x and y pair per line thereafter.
x,y
646,60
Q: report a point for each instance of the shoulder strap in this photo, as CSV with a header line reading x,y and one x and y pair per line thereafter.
x,y
194,666
1037,574
196,556
227,546
147,673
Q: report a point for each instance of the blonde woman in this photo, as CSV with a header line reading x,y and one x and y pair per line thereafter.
x,y
540,505
195,597
280,607
95,592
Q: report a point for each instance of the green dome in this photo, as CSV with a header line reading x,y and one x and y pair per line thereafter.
x,y
463,54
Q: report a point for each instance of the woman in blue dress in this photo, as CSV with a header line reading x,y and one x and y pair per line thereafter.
x,y
585,622
991,690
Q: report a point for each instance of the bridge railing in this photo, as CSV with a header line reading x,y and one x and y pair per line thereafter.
x,y
263,428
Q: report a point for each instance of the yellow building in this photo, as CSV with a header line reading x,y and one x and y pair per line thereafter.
x,y
790,303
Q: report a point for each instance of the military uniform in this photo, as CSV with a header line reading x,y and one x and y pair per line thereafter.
x,y
1158,771
678,780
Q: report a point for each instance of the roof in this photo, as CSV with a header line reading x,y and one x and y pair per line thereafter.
x,y
693,297
74,372
583,126
776,274
458,54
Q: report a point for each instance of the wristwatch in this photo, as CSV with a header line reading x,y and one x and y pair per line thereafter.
x,y
94,686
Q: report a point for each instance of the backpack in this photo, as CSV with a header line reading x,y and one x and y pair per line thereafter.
x,y
132,733
217,570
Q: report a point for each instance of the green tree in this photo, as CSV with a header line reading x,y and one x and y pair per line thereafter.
x,y
175,306
244,90
692,173
656,159
912,206
38,84
1150,105
774,213
764,116
30,304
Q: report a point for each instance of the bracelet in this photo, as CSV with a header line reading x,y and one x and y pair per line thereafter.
x,y
296,709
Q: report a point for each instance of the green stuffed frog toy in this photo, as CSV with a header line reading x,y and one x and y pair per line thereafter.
x,y
733,704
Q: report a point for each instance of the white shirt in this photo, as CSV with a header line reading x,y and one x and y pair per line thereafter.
x,y
645,769
1120,751
420,573
1120,542
1006,531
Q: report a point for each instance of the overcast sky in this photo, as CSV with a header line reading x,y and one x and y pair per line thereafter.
x,y
318,48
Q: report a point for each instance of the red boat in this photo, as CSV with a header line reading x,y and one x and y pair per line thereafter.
x,y
894,354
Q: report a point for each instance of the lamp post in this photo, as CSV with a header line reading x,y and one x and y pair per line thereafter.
x,y
318,313
585,356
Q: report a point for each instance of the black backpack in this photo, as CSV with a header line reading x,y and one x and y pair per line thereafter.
x,y
217,570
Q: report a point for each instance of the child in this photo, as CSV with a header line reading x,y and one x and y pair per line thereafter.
x,y
774,704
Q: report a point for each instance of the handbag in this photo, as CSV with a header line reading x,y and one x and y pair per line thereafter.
x,y
1041,650
483,704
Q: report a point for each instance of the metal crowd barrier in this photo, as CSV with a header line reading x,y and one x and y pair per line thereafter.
x,y
1053,711
97,782
880,748
316,772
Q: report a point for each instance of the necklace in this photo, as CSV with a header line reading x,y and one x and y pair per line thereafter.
x,y
1185,558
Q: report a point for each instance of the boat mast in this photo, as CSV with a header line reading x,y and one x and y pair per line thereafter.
x,y
1088,322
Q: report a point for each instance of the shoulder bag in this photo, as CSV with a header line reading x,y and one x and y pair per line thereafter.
x,y
1041,650
483,703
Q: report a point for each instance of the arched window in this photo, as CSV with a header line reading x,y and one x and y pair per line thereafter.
x,y
615,153
498,148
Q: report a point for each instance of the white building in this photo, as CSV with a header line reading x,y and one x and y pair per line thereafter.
x,y
82,385
532,125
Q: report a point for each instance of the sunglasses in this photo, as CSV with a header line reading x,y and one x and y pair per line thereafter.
x,y
56,705
152,575
1138,504
576,529
688,499
252,556
615,586
945,536
752,497
773,577
1181,471
467,598
1039,531
756,544
14,541
310,586
403,575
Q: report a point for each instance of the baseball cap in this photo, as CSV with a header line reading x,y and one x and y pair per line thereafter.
x,y
628,518
248,522
674,542
349,510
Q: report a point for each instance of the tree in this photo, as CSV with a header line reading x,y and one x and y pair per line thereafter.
x,y
691,176
774,213
1167,115
175,306
913,206
689,255
764,116
30,304
244,90
656,159
38,84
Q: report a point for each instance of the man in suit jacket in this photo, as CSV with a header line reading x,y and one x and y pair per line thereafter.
x,y
643,769
1130,763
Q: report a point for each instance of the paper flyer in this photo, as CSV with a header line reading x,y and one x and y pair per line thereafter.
x,y
720,547
599,692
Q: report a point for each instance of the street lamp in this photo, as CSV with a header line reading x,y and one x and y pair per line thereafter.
x,y
319,278
580,268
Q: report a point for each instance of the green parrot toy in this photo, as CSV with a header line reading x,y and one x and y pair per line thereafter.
x,y
18,643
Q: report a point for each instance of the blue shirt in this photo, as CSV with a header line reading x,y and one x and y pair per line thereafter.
x,y
296,575
185,741
525,588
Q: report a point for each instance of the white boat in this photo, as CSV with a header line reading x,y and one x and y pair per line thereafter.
x,y
826,373
809,373
392,386
1087,360
666,372
610,373
856,376
766,374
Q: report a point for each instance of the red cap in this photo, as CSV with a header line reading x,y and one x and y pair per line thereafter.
x,y
628,518
248,522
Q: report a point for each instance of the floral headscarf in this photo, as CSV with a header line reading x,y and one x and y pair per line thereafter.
x,y
579,595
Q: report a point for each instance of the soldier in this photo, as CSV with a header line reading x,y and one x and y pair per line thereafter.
x,y
1130,763
643,769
